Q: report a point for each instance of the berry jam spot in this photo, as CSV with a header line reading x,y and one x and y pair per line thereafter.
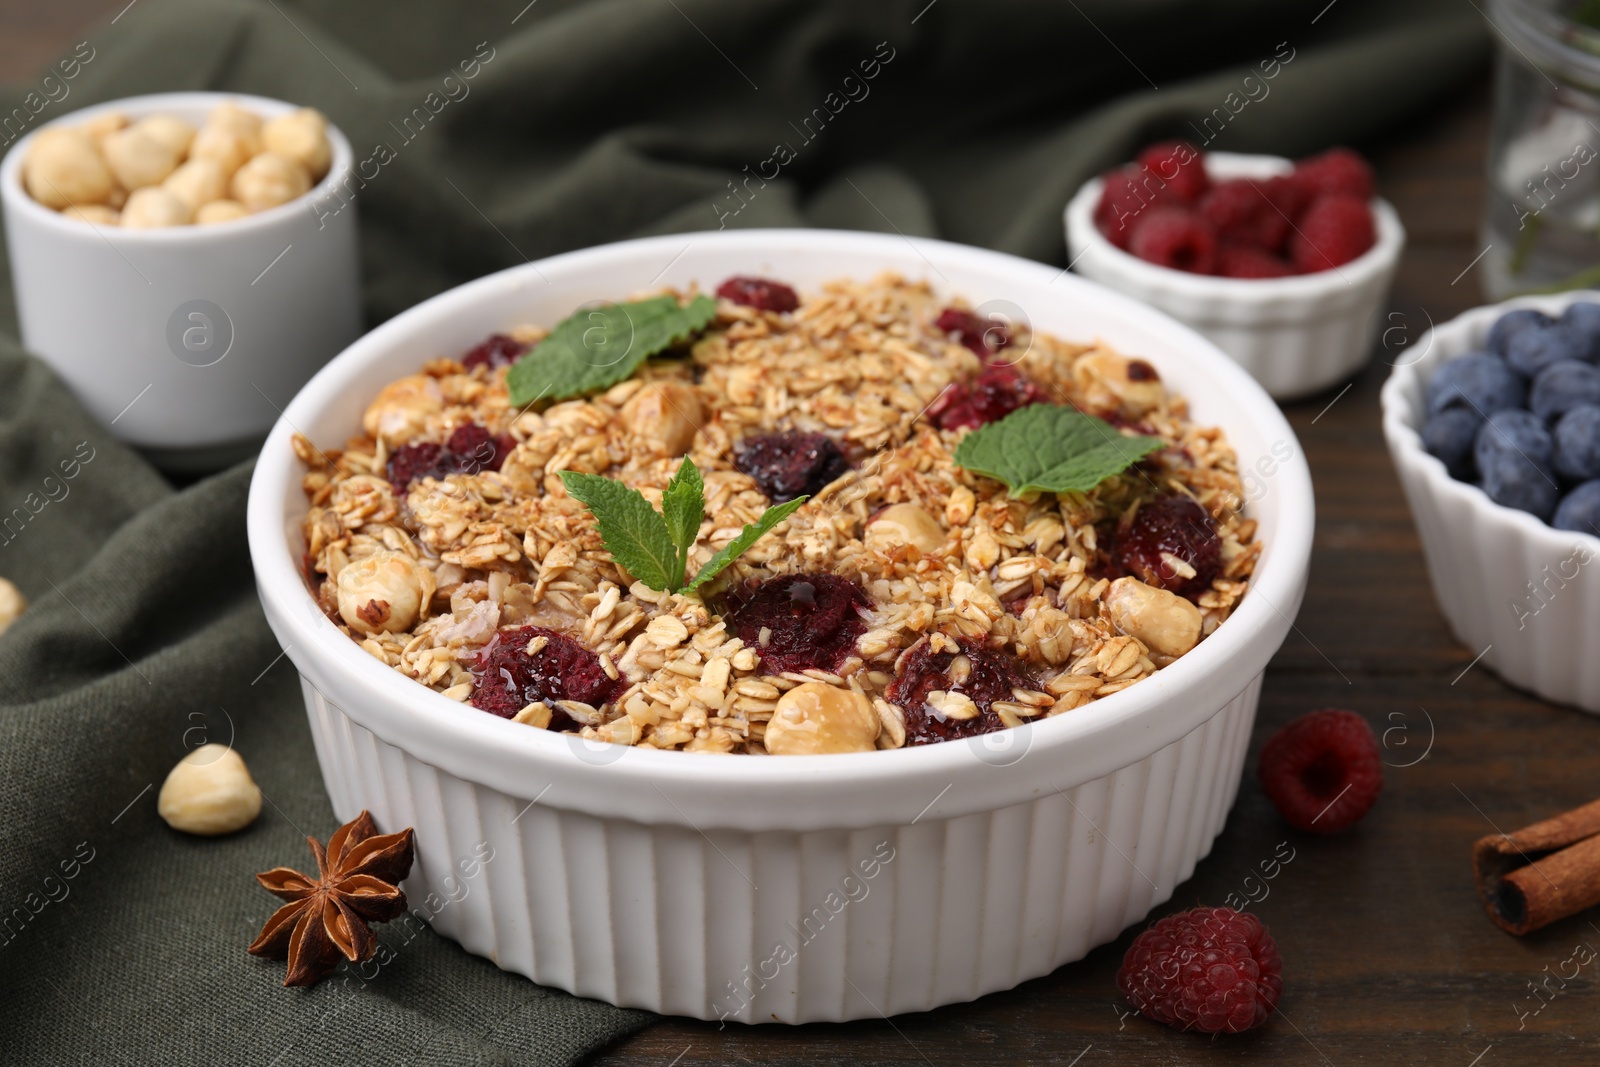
x,y
470,449
507,679
981,673
496,350
1170,526
759,293
811,621
994,393
790,463
1140,371
983,338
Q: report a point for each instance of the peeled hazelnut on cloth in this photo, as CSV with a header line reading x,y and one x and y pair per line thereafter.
x,y
209,792
139,158
904,524
816,718
12,604
269,180
301,136
381,593
152,207
663,417
63,169
401,409
1167,624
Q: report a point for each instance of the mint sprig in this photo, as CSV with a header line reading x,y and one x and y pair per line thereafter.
x,y
652,545
1051,448
598,347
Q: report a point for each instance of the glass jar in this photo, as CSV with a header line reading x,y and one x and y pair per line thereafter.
x,y
1542,218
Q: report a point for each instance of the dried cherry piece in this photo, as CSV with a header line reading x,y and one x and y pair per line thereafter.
x,y
496,350
470,449
983,338
1170,526
507,679
759,293
410,462
983,674
790,463
811,621
992,394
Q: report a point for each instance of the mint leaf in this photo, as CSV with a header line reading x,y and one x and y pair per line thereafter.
x,y
684,505
597,347
748,536
1053,449
633,531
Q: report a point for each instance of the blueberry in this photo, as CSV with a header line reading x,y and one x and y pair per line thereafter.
x,y
1577,443
1449,434
1510,324
1584,318
1562,386
1533,348
1478,382
1513,457
1580,510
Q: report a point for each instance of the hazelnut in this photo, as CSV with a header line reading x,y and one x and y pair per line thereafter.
x,y
904,524
381,593
1167,624
269,180
169,130
63,169
197,182
663,417
209,792
138,158
151,207
244,123
401,409
98,214
301,136
106,122
12,604
225,146
816,718
219,211
1112,381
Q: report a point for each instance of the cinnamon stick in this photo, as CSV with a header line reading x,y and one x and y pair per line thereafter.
x,y
1539,874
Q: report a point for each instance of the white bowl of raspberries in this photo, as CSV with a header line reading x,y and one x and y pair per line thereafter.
x,y
1495,431
1285,266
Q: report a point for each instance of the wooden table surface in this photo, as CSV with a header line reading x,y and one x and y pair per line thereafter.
x,y
1388,957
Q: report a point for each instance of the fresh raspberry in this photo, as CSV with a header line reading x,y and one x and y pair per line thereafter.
x,y
1126,194
992,394
1243,261
506,678
1333,231
1214,970
810,621
983,674
790,463
1180,165
1322,771
1338,170
1172,544
1177,238
470,449
759,293
1253,211
496,350
983,338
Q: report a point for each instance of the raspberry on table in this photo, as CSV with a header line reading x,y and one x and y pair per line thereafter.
x,y
992,394
1333,231
496,350
1180,165
759,293
810,621
1338,170
1175,237
1243,261
1214,970
790,463
507,677
1322,771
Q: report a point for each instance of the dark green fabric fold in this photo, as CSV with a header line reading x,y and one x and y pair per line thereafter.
x,y
580,123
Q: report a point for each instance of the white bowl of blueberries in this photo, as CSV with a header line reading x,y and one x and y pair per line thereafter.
x,y
1495,431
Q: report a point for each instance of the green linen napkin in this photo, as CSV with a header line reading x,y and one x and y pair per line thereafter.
x,y
490,135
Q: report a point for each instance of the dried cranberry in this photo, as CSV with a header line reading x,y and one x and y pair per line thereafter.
x,y
470,449
506,679
410,462
983,338
790,463
496,350
759,293
992,394
983,674
811,621
1176,526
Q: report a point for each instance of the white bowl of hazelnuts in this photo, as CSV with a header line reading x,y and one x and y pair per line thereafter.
x,y
185,262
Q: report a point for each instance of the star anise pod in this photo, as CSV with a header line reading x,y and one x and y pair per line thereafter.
x,y
357,882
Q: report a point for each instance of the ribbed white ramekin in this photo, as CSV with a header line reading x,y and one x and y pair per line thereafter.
x,y
1294,335
790,888
1512,587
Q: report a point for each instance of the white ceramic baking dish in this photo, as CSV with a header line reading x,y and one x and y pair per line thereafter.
x,y
794,888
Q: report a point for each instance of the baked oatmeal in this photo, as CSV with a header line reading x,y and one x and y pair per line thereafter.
x,y
908,600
